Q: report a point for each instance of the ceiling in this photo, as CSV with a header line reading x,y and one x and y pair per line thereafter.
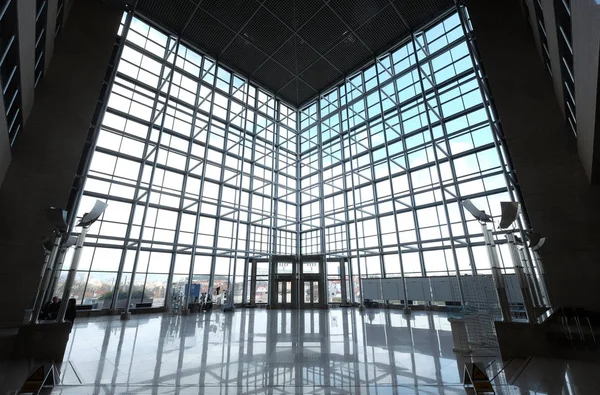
x,y
294,48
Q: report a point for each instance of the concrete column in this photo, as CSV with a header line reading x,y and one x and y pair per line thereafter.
x,y
26,10
50,29
560,202
42,169
552,38
5,154
585,35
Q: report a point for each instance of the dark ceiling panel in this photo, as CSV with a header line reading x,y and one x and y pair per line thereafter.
x,y
266,32
305,92
418,13
233,13
294,13
289,92
321,74
245,55
356,13
383,30
257,37
172,14
208,34
296,55
272,75
323,31
349,54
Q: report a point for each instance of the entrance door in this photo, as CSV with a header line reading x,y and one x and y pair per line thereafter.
x,y
312,278
283,282
284,293
310,297
256,282
297,283
338,281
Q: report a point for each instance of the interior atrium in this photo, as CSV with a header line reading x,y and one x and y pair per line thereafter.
x,y
383,196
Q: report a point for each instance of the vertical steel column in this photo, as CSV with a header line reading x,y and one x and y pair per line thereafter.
x,y
245,283
251,186
534,292
136,196
168,290
496,273
71,276
186,300
322,244
56,273
168,51
413,203
449,153
275,178
394,210
346,210
523,283
372,168
231,293
298,187
498,138
362,306
546,296
45,278
211,279
439,174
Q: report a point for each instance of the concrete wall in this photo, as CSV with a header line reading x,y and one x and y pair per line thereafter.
x,y
585,33
552,38
42,169
560,201
26,10
50,29
5,154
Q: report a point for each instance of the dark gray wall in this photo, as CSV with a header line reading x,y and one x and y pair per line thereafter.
x,y
561,203
48,151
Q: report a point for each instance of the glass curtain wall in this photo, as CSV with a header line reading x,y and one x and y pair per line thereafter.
x,y
387,155
201,169
198,167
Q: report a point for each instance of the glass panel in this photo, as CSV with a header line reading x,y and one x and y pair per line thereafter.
x,y
307,291
284,268
262,290
288,292
280,291
310,267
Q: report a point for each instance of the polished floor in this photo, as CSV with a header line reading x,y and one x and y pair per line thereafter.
x,y
255,351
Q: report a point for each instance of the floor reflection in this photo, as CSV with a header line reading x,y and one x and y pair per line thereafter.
x,y
340,351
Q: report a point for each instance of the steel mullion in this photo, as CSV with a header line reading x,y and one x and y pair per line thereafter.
x,y
137,190
211,280
202,182
457,196
394,211
275,180
151,180
355,219
183,198
391,81
437,166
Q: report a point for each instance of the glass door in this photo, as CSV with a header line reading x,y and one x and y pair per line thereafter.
x,y
310,296
284,293
284,282
312,278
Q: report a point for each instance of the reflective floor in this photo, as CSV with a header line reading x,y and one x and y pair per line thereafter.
x,y
337,351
